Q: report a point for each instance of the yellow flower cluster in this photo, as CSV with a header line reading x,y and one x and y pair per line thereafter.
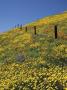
x,y
27,38
14,76
60,50
35,45
2,49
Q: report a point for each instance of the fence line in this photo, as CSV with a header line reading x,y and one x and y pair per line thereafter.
x,y
26,28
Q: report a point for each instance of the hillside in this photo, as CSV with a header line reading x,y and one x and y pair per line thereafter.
x,y
53,19
35,62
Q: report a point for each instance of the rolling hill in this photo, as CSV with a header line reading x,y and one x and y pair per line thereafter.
x,y
35,62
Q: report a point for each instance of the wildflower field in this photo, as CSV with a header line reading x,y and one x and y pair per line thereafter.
x,y
35,62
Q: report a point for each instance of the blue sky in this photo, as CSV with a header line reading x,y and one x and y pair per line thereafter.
x,y
13,12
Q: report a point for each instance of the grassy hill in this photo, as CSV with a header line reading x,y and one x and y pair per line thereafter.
x,y
35,62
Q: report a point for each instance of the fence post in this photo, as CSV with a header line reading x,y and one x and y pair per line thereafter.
x,y
17,25
56,34
21,26
26,28
35,30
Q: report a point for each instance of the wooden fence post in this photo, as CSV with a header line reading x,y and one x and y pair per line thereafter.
x,y
21,26
26,28
18,25
15,26
56,34
35,30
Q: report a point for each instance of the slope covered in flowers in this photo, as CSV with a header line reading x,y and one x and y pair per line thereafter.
x,y
35,62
